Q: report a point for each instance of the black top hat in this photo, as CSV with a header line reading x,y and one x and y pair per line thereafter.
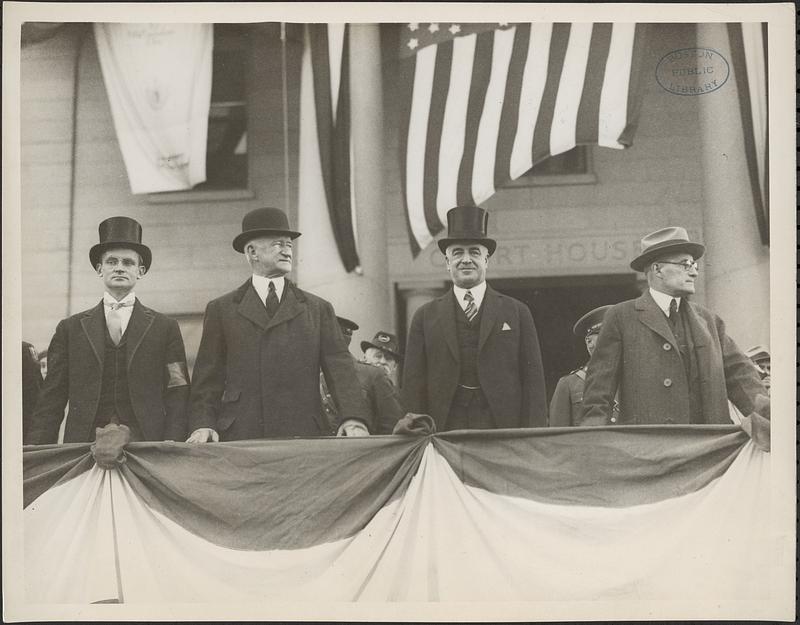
x,y
120,232
385,342
467,224
665,241
263,222
347,326
591,322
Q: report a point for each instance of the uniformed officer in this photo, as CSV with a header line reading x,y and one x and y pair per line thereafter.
x,y
761,359
567,402
383,351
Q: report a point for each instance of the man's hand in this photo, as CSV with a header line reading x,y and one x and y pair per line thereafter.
x,y
203,435
352,427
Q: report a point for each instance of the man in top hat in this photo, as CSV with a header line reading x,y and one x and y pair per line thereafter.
x,y
669,358
263,345
472,357
380,393
383,351
118,362
761,359
566,406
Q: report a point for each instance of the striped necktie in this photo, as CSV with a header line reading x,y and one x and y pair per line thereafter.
x,y
471,310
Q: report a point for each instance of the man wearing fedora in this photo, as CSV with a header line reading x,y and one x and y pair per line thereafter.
x,y
380,393
566,406
118,362
668,357
384,352
472,356
262,348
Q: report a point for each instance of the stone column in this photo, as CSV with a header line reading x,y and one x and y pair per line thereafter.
x,y
736,264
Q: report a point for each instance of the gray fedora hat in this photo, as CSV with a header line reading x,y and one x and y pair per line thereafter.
x,y
665,241
263,222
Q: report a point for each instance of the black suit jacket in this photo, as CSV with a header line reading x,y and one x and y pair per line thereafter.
x,y
509,361
257,377
157,377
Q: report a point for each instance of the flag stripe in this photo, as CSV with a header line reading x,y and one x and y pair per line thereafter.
x,y
406,82
434,143
613,112
481,72
533,85
415,152
511,105
573,74
541,134
641,57
335,48
588,111
489,126
454,124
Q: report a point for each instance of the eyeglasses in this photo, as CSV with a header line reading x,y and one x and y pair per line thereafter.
x,y
688,265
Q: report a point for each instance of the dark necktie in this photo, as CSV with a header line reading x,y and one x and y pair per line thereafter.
x,y
114,320
471,310
673,312
272,302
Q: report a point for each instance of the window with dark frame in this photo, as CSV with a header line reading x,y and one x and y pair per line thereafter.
x,y
226,152
572,167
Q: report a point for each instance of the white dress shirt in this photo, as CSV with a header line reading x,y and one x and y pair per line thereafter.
x,y
663,300
261,285
477,294
124,313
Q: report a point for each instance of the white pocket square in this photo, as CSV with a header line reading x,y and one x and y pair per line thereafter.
x,y
505,327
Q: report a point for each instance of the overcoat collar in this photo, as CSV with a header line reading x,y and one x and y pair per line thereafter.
x,y
489,315
251,307
653,317
93,323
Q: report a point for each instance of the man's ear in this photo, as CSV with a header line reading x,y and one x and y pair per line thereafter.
x,y
142,271
99,269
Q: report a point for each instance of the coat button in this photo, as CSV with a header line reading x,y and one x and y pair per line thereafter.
x,y
667,382
613,419
667,347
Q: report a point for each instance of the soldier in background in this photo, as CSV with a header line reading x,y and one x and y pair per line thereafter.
x,y
380,393
761,359
566,406
383,351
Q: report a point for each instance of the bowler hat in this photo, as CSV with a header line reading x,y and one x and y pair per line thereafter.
x,y
120,232
385,342
263,222
467,224
665,241
347,326
590,323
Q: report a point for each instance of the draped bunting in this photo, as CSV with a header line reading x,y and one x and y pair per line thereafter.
x,y
552,514
158,80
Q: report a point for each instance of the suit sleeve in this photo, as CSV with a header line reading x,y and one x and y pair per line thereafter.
x,y
561,405
54,393
387,403
742,381
340,371
209,373
176,393
534,396
31,383
603,374
415,368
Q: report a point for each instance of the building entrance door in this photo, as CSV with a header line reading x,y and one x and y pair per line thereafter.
x,y
556,304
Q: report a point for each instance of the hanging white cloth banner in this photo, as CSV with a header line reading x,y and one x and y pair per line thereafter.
x,y
158,80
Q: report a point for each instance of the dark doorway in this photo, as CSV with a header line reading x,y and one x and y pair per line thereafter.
x,y
556,304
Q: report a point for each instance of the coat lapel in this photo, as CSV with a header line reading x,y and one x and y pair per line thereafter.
x,y
292,304
94,326
652,316
491,309
251,307
141,320
446,321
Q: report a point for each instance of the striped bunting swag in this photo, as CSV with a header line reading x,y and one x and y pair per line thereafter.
x,y
486,102
548,514
331,96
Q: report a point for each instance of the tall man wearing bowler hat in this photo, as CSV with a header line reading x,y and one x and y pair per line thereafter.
x,y
263,345
472,356
668,357
118,362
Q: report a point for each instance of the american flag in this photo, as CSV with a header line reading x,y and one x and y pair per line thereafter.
x,y
483,103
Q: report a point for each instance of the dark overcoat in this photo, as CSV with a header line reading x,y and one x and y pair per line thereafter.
x,y
257,377
158,381
381,395
566,405
637,353
509,361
